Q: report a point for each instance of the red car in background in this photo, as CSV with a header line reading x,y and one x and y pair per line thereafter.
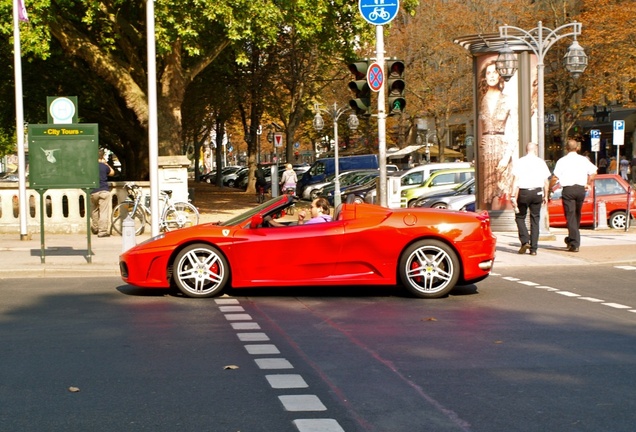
x,y
428,251
609,188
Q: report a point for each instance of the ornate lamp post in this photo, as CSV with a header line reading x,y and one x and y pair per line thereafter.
x,y
540,39
353,123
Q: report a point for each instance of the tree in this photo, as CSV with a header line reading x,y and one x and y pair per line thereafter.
x,y
108,39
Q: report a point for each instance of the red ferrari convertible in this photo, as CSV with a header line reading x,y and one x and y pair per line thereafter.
x,y
428,250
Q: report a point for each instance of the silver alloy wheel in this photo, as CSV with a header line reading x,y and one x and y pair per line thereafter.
x,y
429,269
618,220
200,270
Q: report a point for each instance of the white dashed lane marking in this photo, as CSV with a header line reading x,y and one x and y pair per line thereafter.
x,y
302,403
286,381
318,425
253,337
571,294
242,323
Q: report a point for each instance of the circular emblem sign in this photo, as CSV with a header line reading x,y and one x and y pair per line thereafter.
x,y
378,12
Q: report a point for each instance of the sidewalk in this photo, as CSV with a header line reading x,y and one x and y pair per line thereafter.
x,y
67,254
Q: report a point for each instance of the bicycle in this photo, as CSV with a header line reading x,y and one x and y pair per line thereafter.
x,y
260,194
174,215
290,210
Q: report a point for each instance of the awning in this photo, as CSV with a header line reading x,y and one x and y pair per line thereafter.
x,y
403,152
448,152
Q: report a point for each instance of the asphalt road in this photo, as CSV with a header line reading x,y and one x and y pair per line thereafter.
x,y
524,350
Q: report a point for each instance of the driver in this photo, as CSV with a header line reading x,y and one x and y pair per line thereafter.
x,y
319,213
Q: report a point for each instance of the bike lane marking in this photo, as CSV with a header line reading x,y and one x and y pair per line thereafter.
x,y
240,322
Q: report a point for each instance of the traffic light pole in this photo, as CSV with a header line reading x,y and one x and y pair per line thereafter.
x,y
379,55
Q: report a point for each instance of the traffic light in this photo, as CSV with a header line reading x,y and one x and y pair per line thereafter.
x,y
361,104
396,86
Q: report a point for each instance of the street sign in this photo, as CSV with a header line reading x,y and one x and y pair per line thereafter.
x,y
278,139
378,12
595,140
375,77
619,132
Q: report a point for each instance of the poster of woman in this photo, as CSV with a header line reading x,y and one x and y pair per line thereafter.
x,y
498,132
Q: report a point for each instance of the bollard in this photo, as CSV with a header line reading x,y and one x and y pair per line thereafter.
x,y
128,234
602,216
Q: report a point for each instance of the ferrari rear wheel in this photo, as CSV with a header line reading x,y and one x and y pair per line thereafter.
x,y
200,270
429,269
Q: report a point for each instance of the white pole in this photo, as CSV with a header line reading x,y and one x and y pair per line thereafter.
x,y
153,135
379,55
19,123
336,189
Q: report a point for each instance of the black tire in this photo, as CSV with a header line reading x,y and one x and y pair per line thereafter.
x,y
200,271
315,193
618,220
230,183
440,205
429,269
119,214
412,203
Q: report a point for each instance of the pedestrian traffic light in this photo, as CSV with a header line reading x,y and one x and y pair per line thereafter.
x,y
361,103
396,86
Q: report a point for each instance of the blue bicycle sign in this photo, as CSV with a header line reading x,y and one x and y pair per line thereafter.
x,y
378,12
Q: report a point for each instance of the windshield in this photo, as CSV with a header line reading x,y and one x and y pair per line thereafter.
x,y
253,211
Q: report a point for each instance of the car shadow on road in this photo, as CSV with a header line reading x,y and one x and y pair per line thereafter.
x,y
312,291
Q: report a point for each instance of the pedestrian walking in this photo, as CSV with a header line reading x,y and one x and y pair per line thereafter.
x,y
624,168
529,192
101,204
576,175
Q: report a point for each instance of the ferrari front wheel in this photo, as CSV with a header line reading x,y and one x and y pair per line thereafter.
x,y
429,269
200,270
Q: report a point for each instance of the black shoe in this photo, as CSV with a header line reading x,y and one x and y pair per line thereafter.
x,y
533,252
567,241
572,249
94,230
524,248
103,235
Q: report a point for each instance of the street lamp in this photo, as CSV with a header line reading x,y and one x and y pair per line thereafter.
x,y
540,39
318,123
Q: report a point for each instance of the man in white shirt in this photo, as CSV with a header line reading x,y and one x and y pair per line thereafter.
x,y
576,174
529,192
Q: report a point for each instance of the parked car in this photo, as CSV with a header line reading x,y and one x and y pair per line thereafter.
x,y
230,179
211,176
412,177
438,181
313,191
358,194
428,251
362,178
325,167
442,199
609,188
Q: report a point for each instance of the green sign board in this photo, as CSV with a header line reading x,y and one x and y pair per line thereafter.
x,y
63,156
